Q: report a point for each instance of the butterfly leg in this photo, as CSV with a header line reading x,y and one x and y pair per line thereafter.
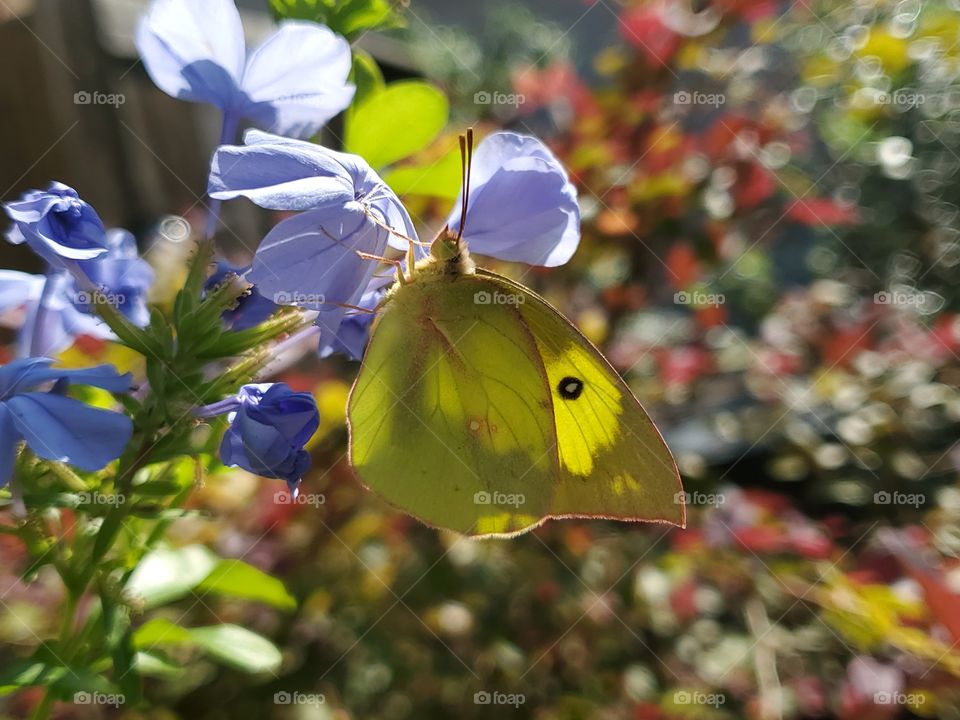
x,y
398,264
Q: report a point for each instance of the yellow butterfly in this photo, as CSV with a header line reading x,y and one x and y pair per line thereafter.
x,y
480,409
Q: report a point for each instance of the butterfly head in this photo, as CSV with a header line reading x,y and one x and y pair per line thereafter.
x,y
449,253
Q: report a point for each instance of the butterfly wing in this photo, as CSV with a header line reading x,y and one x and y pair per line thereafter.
x,y
479,408
449,416
613,460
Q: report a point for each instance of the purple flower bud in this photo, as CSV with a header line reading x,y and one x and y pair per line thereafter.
x,y
57,225
269,426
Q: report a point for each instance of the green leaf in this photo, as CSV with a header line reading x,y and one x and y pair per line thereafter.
x,y
238,647
366,75
232,343
400,120
154,665
23,673
439,179
347,17
78,680
352,17
159,631
231,645
236,578
167,574
129,334
44,669
119,637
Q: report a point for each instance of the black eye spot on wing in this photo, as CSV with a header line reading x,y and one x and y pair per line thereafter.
x,y
570,388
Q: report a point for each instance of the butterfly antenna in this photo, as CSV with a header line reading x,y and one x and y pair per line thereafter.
x,y
466,163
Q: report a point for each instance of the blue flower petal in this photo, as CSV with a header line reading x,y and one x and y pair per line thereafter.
x,y
283,174
57,225
268,431
280,175
18,288
28,373
523,206
348,331
297,79
310,260
9,437
194,50
61,428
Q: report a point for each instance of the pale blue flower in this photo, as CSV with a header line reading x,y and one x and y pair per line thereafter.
x,y
313,259
522,206
292,83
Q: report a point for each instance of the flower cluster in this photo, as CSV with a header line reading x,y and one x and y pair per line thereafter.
x,y
323,258
522,207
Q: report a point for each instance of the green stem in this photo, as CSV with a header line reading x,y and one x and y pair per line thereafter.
x,y
66,475
45,706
